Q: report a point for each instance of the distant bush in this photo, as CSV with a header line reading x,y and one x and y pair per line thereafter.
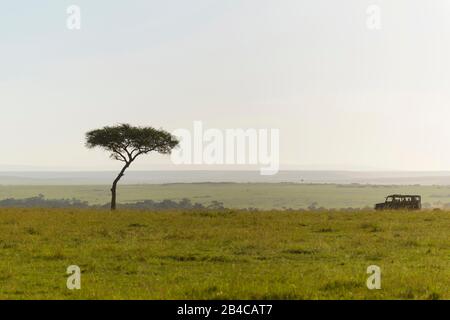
x,y
41,202
184,204
170,204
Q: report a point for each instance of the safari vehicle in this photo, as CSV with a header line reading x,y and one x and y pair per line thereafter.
x,y
400,202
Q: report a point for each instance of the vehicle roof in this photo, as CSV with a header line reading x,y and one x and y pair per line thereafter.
x,y
403,195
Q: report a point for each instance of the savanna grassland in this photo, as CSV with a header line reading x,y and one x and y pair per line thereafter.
x,y
264,196
224,254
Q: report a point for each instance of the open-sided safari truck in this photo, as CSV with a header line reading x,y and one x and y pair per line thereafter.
x,y
400,202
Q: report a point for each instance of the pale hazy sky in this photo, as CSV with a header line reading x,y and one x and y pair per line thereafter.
x,y
343,96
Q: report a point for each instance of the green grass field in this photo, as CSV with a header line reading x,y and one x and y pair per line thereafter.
x,y
242,195
224,255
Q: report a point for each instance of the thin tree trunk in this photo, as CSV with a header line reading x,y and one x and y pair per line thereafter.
x,y
114,186
113,196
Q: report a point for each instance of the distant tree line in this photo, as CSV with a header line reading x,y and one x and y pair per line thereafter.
x,y
184,204
41,202
166,204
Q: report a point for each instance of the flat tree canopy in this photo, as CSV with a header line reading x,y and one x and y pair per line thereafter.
x,y
126,143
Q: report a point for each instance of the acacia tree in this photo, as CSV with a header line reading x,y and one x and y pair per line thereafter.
x,y
126,143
